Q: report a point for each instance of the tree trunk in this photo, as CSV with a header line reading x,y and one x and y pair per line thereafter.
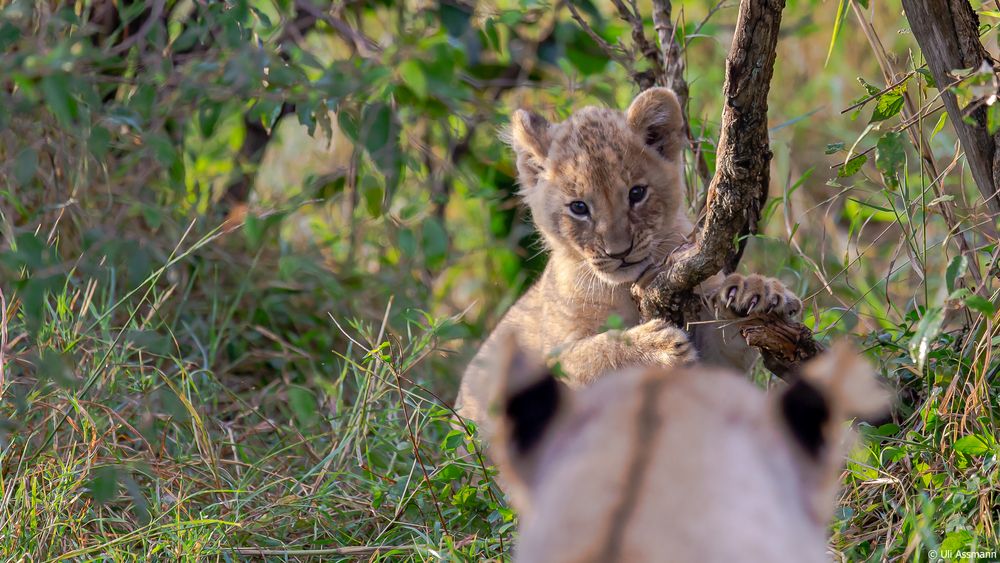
x,y
739,187
736,195
948,34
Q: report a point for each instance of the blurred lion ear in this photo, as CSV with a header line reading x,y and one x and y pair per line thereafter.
x,y
526,404
530,137
655,115
834,387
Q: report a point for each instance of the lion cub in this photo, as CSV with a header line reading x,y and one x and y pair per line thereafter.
x,y
605,191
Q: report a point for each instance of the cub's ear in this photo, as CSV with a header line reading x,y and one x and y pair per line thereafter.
x,y
530,136
655,115
833,387
527,403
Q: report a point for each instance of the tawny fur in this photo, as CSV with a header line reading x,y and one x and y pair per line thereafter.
x,y
596,157
676,464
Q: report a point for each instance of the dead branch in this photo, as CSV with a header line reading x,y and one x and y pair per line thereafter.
x,y
670,51
783,346
614,53
948,34
672,59
739,187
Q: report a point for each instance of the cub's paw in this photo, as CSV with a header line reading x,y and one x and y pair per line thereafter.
x,y
659,342
747,296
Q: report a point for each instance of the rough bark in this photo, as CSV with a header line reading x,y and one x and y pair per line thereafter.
x,y
948,34
737,192
739,187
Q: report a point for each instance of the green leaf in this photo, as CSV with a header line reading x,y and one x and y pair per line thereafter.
x,y
993,118
55,367
838,23
869,87
923,338
888,105
57,91
454,18
890,156
348,124
99,142
956,269
435,242
303,404
25,166
208,118
373,194
980,304
971,445
9,34
376,119
833,148
104,484
928,77
852,166
940,124
453,440
491,33
412,73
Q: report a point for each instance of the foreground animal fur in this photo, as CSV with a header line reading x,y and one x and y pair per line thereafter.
x,y
605,191
676,464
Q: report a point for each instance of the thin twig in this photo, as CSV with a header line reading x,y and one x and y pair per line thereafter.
x,y
364,46
613,53
144,30
3,341
918,141
867,99
632,16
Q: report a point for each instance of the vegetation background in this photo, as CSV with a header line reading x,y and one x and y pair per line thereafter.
x,y
247,246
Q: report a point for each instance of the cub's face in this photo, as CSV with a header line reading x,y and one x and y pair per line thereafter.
x,y
605,186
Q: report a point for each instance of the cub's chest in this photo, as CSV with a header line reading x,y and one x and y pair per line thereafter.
x,y
619,311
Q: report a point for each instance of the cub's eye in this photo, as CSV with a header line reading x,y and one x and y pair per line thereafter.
x,y
579,208
636,194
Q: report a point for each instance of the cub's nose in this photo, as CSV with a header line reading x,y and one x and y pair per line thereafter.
x,y
609,250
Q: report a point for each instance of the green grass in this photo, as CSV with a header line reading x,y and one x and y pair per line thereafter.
x,y
161,457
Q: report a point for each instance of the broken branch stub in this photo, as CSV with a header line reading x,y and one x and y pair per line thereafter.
x,y
739,187
784,346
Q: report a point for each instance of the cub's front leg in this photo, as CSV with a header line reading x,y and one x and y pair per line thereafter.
x,y
652,343
734,298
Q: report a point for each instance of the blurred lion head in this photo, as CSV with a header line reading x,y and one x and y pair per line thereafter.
x,y
682,464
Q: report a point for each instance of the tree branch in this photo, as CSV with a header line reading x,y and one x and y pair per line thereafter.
x,y
783,346
948,34
670,51
672,58
739,187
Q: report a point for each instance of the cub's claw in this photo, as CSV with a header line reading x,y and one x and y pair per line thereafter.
x,y
747,296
